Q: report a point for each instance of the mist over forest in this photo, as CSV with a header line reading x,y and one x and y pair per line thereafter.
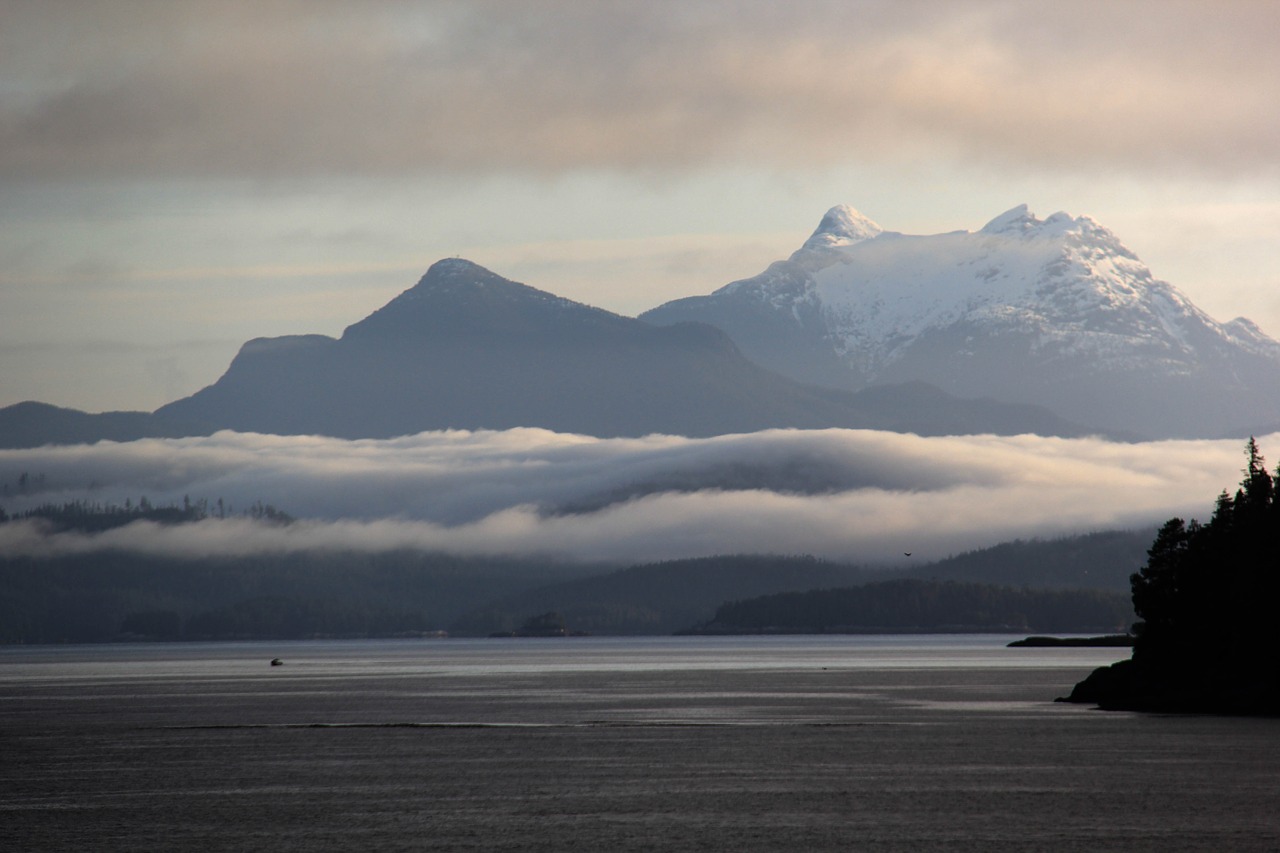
x,y
851,495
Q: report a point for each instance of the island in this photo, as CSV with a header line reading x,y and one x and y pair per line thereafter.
x,y
1104,641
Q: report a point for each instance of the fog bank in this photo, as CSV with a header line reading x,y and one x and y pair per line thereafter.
x,y
846,494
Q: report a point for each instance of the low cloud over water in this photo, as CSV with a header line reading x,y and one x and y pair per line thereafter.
x,y
847,494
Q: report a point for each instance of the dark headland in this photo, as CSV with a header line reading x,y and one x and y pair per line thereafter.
x,y
1206,598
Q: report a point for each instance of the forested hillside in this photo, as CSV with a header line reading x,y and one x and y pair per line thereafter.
x,y
916,605
658,598
1102,560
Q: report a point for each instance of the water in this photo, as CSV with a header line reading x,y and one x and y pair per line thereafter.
x,y
759,743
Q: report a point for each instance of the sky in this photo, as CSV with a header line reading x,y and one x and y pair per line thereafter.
x,y
178,177
857,495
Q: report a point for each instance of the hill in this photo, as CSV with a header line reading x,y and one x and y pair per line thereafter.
x,y
665,597
921,606
656,598
1101,560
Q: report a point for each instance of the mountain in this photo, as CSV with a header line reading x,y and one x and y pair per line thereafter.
x,y
1054,312
466,348
33,424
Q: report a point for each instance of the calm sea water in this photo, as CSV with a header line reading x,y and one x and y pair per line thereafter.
x,y
735,744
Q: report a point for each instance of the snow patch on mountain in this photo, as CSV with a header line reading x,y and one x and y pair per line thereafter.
x,y
1066,281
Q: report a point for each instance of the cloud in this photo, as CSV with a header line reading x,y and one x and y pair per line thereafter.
x,y
289,89
847,494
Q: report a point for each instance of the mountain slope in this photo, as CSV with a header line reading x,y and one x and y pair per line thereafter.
x,y
1053,312
468,349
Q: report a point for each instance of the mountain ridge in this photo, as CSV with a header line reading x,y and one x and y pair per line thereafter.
x,y
1054,312
1026,325
465,348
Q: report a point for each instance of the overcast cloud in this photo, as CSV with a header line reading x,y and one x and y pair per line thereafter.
x,y
177,89
847,494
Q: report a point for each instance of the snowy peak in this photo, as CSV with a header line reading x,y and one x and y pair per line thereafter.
x,y
1017,220
1078,232
1062,283
1020,221
875,293
1056,312
842,226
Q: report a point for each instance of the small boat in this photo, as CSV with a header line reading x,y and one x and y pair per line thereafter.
x,y
277,662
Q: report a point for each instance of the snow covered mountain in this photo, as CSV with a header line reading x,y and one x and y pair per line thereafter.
x,y
1054,312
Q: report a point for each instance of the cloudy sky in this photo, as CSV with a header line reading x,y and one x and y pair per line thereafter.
x,y
177,177
854,495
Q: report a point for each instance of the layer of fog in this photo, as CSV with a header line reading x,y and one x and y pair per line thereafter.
x,y
847,494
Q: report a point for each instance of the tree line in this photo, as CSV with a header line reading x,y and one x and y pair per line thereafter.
x,y
94,516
